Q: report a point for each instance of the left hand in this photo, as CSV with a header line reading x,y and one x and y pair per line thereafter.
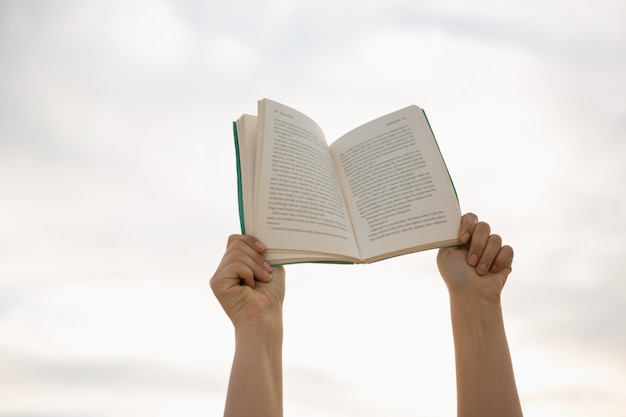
x,y
250,291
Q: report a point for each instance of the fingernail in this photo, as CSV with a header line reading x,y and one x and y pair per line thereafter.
x,y
482,269
465,238
267,267
473,260
260,247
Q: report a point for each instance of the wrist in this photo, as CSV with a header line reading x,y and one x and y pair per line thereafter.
x,y
476,315
265,326
476,302
471,311
483,293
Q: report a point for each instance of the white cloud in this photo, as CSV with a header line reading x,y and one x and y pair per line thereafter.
x,y
118,190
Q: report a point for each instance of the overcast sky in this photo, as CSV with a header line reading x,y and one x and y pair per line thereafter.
x,y
118,191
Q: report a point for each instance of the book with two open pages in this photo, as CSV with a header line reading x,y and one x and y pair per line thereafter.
x,y
379,191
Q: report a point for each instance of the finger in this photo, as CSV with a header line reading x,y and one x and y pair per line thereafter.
x,y
503,261
257,246
254,249
491,250
261,270
243,262
478,241
237,271
250,240
468,222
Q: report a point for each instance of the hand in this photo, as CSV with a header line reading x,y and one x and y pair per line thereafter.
x,y
480,266
250,291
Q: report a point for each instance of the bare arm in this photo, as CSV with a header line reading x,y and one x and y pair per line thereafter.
x,y
475,275
252,293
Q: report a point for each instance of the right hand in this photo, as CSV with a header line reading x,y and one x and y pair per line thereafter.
x,y
250,291
478,268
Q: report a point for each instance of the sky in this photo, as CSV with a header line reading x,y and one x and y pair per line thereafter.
x,y
118,192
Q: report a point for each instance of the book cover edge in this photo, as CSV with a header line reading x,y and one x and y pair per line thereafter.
x,y
239,185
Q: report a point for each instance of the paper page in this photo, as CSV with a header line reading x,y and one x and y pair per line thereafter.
x,y
299,205
246,143
397,188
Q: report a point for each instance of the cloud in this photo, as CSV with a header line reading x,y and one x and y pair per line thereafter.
x,y
118,189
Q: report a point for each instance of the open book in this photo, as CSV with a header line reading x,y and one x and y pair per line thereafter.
x,y
379,191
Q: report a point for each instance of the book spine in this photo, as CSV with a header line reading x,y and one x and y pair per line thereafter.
x,y
239,185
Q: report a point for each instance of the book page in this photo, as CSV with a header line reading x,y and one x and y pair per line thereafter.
x,y
398,191
298,203
246,151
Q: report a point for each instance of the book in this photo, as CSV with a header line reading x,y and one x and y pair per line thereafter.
x,y
379,191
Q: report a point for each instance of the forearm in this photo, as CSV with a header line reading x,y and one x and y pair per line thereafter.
x,y
485,380
255,386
